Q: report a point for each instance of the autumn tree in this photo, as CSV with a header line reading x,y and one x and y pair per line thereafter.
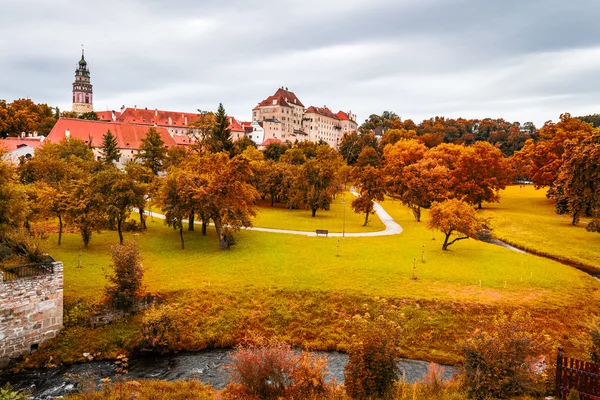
x,y
454,218
392,136
541,160
172,202
370,186
13,199
144,182
54,168
319,180
576,191
481,172
152,152
350,147
23,115
223,193
200,129
119,194
85,209
275,150
397,158
126,281
110,148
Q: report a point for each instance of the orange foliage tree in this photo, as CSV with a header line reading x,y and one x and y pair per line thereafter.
x,y
454,218
541,160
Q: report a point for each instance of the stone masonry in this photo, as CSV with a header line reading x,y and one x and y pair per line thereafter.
x,y
31,312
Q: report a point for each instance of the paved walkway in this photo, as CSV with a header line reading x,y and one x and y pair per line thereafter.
x,y
391,226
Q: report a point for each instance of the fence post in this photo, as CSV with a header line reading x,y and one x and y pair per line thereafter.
x,y
559,360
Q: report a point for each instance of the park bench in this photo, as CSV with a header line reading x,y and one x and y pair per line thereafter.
x,y
322,232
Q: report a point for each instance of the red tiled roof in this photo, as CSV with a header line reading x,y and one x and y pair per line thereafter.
x,y
282,97
107,115
158,117
13,143
183,140
270,140
234,125
128,136
342,116
321,111
161,118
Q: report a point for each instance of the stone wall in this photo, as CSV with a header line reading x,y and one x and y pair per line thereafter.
x,y
31,312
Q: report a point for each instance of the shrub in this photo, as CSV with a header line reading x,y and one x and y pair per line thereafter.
x,y
573,395
126,283
7,393
499,362
160,330
594,333
271,370
372,369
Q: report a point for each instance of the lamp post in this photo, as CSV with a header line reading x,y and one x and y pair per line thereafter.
x,y
344,220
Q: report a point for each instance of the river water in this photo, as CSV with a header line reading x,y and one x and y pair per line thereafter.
x,y
207,366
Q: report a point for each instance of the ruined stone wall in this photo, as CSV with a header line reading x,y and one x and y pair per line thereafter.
x,y
31,312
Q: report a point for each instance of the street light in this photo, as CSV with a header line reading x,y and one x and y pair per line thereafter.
x,y
344,223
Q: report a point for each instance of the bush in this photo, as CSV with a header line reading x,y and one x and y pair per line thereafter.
x,y
272,370
594,333
126,283
131,226
372,369
160,330
499,362
7,393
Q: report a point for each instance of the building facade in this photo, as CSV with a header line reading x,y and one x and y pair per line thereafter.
x,y
83,96
283,116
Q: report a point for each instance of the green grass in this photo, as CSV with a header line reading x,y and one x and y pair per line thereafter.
x,y
305,290
279,217
378,266
525,217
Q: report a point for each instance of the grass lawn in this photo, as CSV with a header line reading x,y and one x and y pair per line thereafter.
x,y
525,217
280,217
306,289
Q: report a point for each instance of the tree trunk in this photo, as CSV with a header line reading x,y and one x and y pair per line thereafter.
x,y
60,228
445,245
416,212
119,229
479,206
272,201
204,225
86,235
181,234
314,212
366,219
191,221
220,234
142,218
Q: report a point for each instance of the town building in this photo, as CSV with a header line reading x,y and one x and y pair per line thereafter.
x,y
254,131
23,146
129,136
83,96
281,115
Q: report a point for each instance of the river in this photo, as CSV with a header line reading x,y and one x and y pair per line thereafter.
x,y
207,366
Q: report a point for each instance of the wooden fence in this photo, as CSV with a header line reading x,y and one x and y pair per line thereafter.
x,y
576,374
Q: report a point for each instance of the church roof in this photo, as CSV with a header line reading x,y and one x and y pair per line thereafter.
x,y
129,136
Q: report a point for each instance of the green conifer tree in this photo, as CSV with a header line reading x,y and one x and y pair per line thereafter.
x,y
153,151
110,148
220,138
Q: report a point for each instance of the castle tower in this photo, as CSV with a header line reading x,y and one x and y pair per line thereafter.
x,y
82,88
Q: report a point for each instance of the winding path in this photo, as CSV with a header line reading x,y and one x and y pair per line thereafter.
x,y
391,226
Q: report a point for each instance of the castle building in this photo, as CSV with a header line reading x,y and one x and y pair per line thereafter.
x,y
82,89
283,117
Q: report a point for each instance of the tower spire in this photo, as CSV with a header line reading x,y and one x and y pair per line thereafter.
x,y
82,87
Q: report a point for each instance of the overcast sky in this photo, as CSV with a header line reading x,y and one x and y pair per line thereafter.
x,y
522,60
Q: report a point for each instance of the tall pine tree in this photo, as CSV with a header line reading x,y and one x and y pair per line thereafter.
x,y
220,138
153,151
110,148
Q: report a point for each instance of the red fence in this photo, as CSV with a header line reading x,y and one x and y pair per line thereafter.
x,y
576,374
